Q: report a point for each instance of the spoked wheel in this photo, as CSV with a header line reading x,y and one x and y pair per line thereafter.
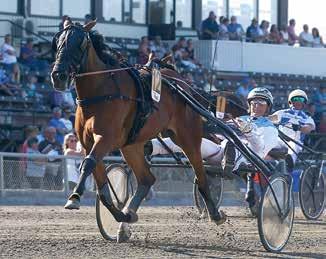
x,y
215,182
312,192
275,224
118,177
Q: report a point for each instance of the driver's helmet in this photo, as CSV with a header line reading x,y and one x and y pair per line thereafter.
x,y
298,93
263,93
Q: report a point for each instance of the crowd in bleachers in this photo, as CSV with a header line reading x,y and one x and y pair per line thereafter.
x,y
230,29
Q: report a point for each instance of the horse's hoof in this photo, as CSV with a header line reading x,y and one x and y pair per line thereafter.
x,y
73,204
220,219
133,217
124,233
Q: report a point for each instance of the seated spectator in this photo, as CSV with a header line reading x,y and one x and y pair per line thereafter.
x,y
252,33
274,35
244,89
317,39
209,27
29,88
284,35
9,59
60,127
30,132
143,50
191,52
235,29
67,111
8,88
293,38
319,99
305,38
29,58
35,167
157,47
224,33
181,55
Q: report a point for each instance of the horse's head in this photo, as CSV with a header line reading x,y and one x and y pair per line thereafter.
x,y
71,46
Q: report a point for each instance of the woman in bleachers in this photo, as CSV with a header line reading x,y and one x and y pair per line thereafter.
x,y
284,35
143,50
274,36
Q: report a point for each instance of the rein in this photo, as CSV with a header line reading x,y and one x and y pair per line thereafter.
x,y
103,72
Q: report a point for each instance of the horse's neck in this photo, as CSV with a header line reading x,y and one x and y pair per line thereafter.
x,y
90,85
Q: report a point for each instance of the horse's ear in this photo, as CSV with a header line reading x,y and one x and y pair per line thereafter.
x,y
88,26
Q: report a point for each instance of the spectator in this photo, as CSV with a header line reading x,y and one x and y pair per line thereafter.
x,y
319,99
29,88
181,55
317,39
224,33
143,50
67,111
158,48
35,168
30,132
191,52
50,146
274,35
9,59
244,88
29,58
305,38
55,122
209,27
235,29
252,33
293,38
284,35
263,31
70,149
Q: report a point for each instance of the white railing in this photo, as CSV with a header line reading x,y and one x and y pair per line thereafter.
x,y
236,56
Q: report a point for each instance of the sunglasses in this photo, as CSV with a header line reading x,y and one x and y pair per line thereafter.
x,y
258,102
298,99
72,140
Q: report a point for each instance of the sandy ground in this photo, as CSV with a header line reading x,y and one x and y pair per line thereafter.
x,y
161,232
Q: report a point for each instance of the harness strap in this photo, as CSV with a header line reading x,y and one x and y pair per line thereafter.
x,y
104,98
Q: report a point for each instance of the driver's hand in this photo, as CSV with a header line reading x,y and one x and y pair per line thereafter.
x,y
244,126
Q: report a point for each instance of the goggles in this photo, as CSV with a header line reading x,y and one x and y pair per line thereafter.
x,y
298,99
258,102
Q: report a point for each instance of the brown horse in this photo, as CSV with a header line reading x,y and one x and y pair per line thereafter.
x,y
105,115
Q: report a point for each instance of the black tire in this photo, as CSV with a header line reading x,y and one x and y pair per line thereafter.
x,y
216,184
312,193
274,232
118,175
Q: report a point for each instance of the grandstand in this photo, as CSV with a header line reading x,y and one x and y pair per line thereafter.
x,y
280,68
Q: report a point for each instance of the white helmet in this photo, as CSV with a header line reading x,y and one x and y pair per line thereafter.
x,y
261,92
298,93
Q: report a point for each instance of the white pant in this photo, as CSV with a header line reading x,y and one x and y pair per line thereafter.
x,y
210,151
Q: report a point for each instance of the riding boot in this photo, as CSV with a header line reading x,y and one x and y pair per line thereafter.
x,y
289,163
229,158
250,195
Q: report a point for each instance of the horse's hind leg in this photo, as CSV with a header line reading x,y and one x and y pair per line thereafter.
x,y
134,155
191,147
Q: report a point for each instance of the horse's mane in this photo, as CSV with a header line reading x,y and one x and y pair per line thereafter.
x,y
107,55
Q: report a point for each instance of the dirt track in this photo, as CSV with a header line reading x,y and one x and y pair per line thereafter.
x,y
52,232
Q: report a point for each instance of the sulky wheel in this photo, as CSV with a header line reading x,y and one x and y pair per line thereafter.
x,y
312,192
275,224
118,176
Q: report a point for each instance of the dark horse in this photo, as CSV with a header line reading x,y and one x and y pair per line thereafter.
x,y
105,117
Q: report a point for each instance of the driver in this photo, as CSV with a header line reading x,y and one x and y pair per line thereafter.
x,y
258,132
294,123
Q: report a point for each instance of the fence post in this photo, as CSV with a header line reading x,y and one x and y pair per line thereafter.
x,y
65,177
2,180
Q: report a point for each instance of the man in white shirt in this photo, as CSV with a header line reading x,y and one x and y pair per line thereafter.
x,y
9,59
295,123
305,38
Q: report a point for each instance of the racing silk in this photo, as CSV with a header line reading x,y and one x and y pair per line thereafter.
x,y
263,137
290,116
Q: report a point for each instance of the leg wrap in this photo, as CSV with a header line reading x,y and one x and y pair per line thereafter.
x,y
86,169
